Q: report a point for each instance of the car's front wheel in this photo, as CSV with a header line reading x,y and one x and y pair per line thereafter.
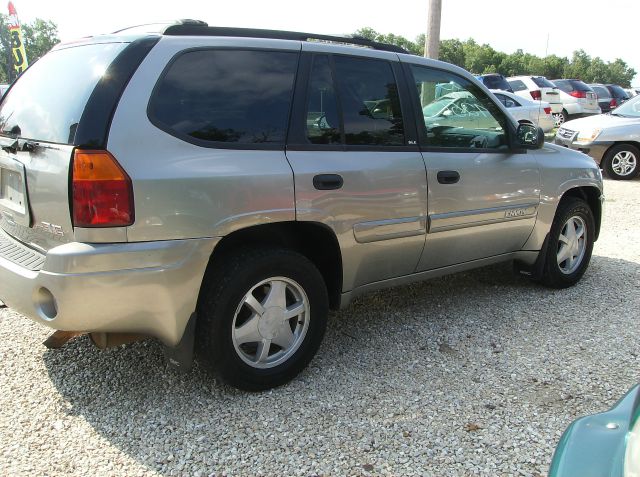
x,y
621,162
261,317
570,244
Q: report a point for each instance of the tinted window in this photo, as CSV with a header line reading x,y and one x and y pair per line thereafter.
x,y
323,122
47,101
618,92
601,91
232,96
462,118
517,85
542,82
370,103
579,85
496,82
508,102
563,85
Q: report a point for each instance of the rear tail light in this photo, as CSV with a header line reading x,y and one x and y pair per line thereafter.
x,y
536,94
613,103
102,194
547,110
578,94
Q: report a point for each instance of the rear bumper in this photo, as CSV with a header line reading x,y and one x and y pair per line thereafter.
x,y
147,288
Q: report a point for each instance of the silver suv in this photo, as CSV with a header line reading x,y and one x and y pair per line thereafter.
x,y
222,189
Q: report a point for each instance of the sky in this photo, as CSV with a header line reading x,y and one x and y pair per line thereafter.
x,y
506,25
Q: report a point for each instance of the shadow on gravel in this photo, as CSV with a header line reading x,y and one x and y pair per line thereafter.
x,y
467,338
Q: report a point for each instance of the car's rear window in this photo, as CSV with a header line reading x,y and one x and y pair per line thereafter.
x,y
47,101
226,96
578,85
618,92
496,82
601,91
518,85
542,82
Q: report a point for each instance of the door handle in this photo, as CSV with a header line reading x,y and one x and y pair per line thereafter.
x,y
448,177
328,181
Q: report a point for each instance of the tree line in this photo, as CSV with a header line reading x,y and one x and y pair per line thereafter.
x,y
481,59
39,37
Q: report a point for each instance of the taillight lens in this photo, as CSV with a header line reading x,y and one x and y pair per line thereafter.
x,y
101,190
578,94
547,110
613,103
536,94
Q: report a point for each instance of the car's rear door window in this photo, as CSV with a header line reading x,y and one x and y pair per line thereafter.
x,y
233,96
353,101
47,101
370,103
601,91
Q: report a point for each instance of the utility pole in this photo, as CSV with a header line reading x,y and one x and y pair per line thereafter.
x,y
432,40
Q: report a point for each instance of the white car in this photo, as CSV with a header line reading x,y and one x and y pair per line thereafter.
x,y
524,110
578,99
538,88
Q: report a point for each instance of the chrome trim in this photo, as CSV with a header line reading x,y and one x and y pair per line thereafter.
x,y
472,218
388,229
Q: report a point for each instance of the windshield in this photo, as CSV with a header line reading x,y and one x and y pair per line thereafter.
x,y
630,109
46,102
432,109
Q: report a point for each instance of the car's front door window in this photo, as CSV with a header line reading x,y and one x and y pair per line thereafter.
x,y
456,113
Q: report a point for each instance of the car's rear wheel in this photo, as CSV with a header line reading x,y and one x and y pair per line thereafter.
x,y
560,118
570,244
261,317
621,162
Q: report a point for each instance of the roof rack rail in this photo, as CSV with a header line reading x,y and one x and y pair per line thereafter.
x,y
199,28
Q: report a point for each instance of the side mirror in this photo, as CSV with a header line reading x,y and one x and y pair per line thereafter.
x,y
529,136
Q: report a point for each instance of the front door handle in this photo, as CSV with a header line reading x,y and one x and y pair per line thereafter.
x,y
328,181
448,177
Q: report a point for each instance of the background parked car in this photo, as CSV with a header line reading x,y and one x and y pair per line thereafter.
x,y
578,99
525,110
538,88
495,81
612,140
605,100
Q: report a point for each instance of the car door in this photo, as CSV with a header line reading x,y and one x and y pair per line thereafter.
x,y
355,167
483,195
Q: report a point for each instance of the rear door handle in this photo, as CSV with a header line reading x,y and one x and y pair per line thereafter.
x,y
448,177
328,181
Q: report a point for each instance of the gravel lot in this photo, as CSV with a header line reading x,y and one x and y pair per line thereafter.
x,y
473,374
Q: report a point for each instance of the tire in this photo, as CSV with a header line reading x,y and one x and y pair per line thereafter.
x,y
572,214
621,162
560,118
254,287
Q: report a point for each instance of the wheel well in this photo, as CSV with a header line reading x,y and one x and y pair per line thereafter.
x,y
591,195
630,143
315,241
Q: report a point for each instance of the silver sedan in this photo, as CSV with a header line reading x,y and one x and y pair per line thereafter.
x,y
613,140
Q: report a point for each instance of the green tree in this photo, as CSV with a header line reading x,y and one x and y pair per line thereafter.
x,y
39,37
484,59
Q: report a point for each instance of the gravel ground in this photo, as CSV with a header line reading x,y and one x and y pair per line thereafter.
x,y
473,374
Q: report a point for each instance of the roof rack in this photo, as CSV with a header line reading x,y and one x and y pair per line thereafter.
x,y
200,28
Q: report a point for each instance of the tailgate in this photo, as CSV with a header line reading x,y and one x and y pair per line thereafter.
x,y
34,195
591,100
40,117
551,95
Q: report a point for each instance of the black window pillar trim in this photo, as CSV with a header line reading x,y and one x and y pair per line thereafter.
x,y
94,124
